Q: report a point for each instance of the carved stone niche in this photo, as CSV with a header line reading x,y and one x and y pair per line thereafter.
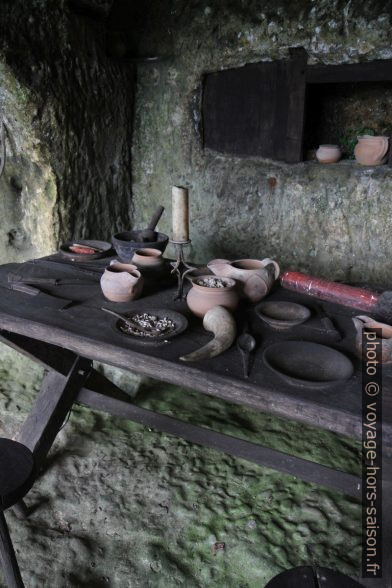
x,y
278,109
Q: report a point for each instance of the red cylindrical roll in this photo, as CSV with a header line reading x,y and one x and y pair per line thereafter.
x,y
330,291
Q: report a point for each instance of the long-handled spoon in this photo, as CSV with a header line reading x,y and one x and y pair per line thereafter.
x,y
246,343
128,321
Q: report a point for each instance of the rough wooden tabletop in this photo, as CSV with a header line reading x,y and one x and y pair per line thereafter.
x,y
88,331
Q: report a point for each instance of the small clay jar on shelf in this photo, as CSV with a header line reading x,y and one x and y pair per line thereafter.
x,y
121,282
328,153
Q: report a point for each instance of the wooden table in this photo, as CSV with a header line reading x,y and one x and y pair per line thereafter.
x,y
67,341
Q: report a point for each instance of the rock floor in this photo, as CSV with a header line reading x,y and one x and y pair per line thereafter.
x,y
123,506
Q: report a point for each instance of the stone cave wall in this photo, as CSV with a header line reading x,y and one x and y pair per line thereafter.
x,y
68,111
332,220
67,107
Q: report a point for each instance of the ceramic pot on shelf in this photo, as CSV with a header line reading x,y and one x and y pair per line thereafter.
x,y
121,282
201,298
371,150
255,276
328,153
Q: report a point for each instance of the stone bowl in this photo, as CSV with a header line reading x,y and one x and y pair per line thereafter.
x,y
125,244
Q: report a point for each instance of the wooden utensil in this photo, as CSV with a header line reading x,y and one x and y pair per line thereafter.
x,y
128,321
246,343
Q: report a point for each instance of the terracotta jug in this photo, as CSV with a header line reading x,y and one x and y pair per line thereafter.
x,y
121,282
371,150
200,298
256,276
385,342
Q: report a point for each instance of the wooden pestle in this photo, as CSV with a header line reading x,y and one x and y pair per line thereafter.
x,y
149,233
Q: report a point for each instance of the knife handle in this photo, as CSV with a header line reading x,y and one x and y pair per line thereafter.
x,y
25,288
12,278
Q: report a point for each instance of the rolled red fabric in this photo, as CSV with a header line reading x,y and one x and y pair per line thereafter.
x,y
330,291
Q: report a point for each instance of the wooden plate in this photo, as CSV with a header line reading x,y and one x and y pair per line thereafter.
x,y
103,245
308,364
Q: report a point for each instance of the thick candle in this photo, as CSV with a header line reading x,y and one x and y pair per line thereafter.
x,y
180,211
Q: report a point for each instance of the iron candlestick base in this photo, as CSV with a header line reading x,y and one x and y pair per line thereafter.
x,y
180,267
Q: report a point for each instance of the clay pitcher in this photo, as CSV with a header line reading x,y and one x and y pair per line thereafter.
x,y
371,150
121,282
255,276
384,343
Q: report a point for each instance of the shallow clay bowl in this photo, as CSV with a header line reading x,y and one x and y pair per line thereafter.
x,y
125,244
307,364
282,315
180,321
103,245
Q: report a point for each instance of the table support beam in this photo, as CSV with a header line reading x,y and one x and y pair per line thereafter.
x,y
306,470
49,411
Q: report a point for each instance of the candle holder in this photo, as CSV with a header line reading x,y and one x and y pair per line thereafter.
x,y
180,267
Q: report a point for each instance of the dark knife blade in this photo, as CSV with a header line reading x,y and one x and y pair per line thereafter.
x,y
41,298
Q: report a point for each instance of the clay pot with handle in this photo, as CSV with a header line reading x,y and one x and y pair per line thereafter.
x,y
121,282
255,276
384,343
371,150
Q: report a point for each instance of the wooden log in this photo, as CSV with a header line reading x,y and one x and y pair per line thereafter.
x,y
9,563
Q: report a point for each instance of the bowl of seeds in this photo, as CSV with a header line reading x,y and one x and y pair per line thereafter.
x,y
155,325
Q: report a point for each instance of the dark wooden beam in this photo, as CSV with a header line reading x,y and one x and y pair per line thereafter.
x,y
7,556
49,411
264,456
370,71
296,82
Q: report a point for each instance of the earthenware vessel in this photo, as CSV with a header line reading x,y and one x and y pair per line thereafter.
x,y
384,343
201,298
121,282
371,150
255,276
148,258
328,153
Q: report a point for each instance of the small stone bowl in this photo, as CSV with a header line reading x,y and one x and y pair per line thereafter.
x,y
125,244
282,315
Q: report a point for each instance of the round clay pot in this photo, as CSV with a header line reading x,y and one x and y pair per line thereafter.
x,y
121,282
328,153
371,150
201,298
148,258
